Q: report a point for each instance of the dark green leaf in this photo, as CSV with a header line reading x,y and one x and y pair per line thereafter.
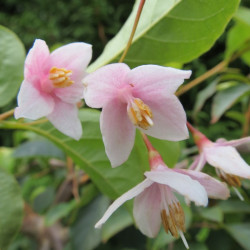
x,y
12,56
90,155
11,209
83,233
241,233
212,214
42,148
116,223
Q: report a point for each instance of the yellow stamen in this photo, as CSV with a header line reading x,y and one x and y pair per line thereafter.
x,y
60,77
230,179
174,219
140,114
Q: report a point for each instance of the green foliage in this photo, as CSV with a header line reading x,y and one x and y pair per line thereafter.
x,y
84,235
12,56
89,154
170,31
11,209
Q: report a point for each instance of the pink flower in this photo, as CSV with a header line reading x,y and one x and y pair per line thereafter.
x,y
142,97
52,85
223,156
155,202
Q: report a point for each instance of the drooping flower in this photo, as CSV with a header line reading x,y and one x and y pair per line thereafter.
x,y
52,85
223,156
155,202
142,97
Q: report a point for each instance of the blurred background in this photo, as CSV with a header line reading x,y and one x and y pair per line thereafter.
x,y
46,183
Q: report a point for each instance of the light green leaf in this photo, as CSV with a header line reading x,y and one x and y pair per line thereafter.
x,y
241,233
239,38
83,233
243,15
11,209
170,31
12,56
89,154
224,99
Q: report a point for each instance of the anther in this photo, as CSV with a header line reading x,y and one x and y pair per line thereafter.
x,y
60,77
140,114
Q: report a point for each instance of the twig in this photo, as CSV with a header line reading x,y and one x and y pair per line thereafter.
x,y
137,18
7,114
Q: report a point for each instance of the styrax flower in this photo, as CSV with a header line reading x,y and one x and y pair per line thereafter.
x,y
155,202
142,97
223,156
52,85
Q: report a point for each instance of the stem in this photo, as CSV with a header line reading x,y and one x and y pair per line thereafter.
x,y
70,166
216,69
137,18
219,67
7,114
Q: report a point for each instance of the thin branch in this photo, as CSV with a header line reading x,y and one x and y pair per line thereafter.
x,y
7,114
137,18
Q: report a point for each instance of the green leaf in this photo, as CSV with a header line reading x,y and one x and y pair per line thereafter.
x,y
11,209
42,148
239,38
83,233
12,54
212,214
224,99
234,206
59,211
241,233
170,32
89,154
204,95
116,223
6,160
243,14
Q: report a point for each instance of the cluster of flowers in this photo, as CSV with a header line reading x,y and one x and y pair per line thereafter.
x,y
140,98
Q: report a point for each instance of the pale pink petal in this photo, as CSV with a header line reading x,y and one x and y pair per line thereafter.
x,y
233,143
147,206
65,119
71,94
201,163
33,104
75,57
36,60
102,85
150,80
215,189
227,159
169,119
122,199
181,183
117,131
195,162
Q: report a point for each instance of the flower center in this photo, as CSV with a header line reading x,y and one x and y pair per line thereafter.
x,y
60,77
173,220
140,114
230,179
